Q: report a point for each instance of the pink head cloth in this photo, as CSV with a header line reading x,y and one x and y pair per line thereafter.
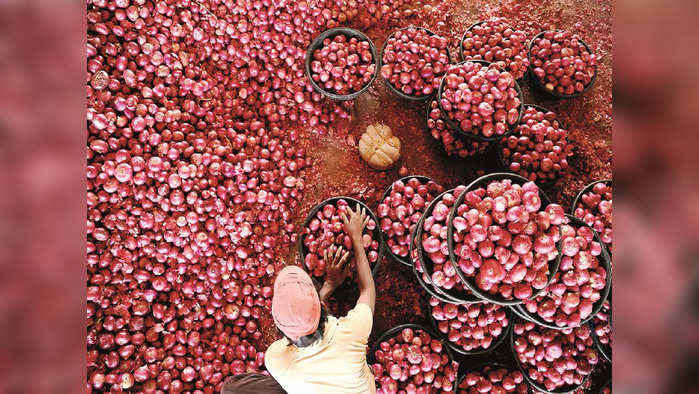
x,y
295,304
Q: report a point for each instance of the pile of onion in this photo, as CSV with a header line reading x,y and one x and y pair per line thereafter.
x,y
577,286
562,63
472,327
538,148
435,245
413,362
595,209
342,65
505,240
327,229
494,40
554,358
493,379
453,142
481,100
402,208
602,324
414,61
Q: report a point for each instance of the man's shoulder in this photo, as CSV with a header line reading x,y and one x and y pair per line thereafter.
x,y
278,354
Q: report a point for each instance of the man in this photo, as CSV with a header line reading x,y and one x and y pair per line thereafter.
x,y
321,353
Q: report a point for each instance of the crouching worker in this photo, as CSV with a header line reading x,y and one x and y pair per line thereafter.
x,y
321,353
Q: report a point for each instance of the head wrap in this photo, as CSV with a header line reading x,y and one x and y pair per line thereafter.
x,y
295,304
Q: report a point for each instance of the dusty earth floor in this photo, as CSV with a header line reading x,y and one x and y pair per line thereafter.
x,y
336,168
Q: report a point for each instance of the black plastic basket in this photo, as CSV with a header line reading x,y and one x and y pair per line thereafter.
x,y
423,180
390,86
390,333
481,366
455,126
458,349
604,260
586,189
606,384
457,297
426,284
605,350
532,382
303,250
540,85
463,37
349,33
500,143
470,281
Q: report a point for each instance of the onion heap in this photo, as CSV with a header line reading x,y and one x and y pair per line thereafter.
x,y
554,358
326,229
505,240
193,180
493,379
577,286
453,142
595,209
561,62
481,100
413,362
472,327
496,41
343,65
414,61
434,242
538,148
400,211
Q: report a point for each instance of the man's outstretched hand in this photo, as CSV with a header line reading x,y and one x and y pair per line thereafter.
x,y
354,225
337,268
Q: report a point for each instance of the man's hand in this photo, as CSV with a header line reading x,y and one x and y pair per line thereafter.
x,y
336,266
354,225
336,270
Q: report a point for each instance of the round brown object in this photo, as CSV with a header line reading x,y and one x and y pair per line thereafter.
x,y
379,147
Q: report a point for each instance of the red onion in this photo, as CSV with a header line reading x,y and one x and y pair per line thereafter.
x,y
470,326
494,40
326,229
504,240
538,148
401,210
414,61
413,361
602,324
577,285
595,209
481,100
342,65
562,63
434,242
453,142
493,379
554,358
